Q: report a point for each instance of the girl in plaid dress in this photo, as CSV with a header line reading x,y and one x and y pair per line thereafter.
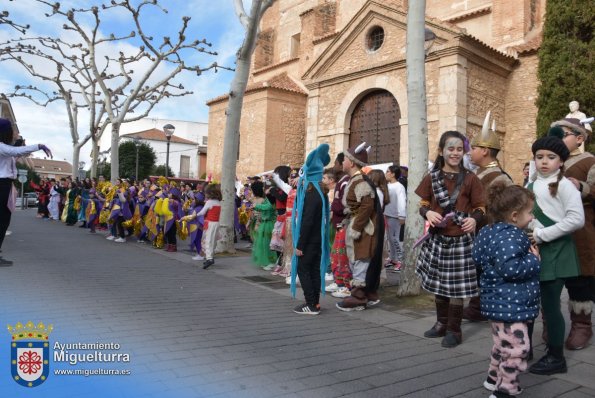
x,y
452,201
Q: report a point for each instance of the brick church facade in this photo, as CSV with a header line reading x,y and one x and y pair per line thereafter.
x,y
334,72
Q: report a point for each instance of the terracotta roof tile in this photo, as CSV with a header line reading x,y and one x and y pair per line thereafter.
x,y
280,82
469,14
50,166
158,135
532,45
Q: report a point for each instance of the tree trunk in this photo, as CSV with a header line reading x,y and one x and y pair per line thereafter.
x,y
115,155
232,128
76,152
94,157
418,141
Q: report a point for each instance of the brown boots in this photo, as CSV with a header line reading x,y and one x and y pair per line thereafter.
x,y
356,302
472,312
453,336
439,328
448,324
581,327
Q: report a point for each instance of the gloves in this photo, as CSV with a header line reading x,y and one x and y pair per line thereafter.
x,y
46,150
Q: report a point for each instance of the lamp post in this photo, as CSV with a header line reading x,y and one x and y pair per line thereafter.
x,y
429,38
136,141
82,170
168,129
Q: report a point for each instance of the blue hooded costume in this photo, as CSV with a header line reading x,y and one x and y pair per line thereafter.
x,y
311,172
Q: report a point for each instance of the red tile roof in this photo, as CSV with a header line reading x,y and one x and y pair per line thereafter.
x,y
50,166
532,45
158,135
279,82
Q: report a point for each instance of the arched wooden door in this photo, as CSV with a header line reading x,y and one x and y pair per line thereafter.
x,y
375,120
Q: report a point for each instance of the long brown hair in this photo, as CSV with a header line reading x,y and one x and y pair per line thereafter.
x,y
379,180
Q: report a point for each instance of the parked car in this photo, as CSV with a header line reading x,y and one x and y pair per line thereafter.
x,y
30,200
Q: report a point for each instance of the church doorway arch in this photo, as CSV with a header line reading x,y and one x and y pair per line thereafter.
x,y
375,120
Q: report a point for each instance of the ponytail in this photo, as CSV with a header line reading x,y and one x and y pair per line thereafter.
x,y
553,186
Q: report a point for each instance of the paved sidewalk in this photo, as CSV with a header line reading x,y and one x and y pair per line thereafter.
x,y
229,331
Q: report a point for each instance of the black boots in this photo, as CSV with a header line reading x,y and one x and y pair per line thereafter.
x,y
553,362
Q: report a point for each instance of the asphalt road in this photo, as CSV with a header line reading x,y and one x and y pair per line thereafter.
x,y
228,331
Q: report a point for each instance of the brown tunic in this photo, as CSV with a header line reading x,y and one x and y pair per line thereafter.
x,y
487,176
582,167
361,233
471,197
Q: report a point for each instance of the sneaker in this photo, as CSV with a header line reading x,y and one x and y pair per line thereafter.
x,y
208,263
500,394
288,280
283,274
328,277
5,263
331,288
198,257
120,240
349,309
111,237
490,384
8,233
342,292
277,270
306,309
396,266
269,267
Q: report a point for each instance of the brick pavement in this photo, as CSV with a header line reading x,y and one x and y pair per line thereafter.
x,y
215,333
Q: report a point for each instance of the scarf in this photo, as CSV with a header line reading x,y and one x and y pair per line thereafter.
x,y
446,202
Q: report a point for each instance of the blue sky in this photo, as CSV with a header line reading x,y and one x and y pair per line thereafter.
x,y
213,20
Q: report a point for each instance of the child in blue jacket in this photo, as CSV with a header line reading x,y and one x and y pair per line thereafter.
x,y
509,284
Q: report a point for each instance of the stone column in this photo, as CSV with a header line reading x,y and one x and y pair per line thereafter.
x,y
312,120
452,94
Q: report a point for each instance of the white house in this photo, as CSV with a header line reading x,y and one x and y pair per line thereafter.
x,y
188,145
184,155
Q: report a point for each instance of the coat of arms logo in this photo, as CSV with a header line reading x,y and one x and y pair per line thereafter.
x,y
30,353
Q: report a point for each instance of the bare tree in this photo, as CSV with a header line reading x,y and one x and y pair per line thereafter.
x,y
48,62
5,20
124,92
251,24
418,139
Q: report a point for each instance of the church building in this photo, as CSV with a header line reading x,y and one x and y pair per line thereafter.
x,y
334,71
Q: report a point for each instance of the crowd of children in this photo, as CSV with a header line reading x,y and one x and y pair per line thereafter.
x,y
315,225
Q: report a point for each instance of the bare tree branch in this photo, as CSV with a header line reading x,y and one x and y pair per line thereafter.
x,y
241,13
4,20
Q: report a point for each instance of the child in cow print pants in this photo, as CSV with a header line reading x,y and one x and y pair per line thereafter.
x,y
509,284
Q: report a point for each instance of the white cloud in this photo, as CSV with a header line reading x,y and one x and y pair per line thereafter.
x,y
214,20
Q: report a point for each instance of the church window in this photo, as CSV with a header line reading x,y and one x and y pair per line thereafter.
x,y
375,38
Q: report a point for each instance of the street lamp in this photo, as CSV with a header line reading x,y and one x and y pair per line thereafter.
x,y
429,38
168,129
82,170
136,141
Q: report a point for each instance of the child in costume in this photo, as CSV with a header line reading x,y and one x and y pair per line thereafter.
x,y
558,213
92,211
364,236
280,197
341,288
310,226
171,209
261,226
509,284
580,170
284,269
195,226
445,265
211,212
